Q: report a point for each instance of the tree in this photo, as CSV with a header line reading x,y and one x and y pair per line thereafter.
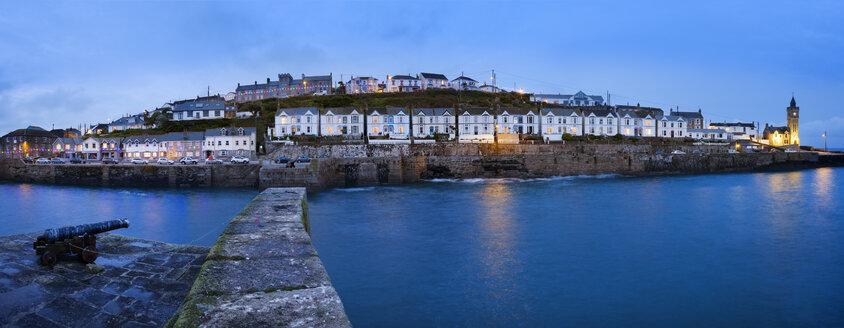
x,y
251,107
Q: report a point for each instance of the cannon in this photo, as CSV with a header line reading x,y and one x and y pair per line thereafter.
x,y
80,240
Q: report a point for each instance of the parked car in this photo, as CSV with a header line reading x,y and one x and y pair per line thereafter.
x,y
678,152
57,160
281,160
732,151
165,161
790,151
139,161
28,160
109,160
322,156
187,160
303,159
77,160
350,155
213,161
240,160
42,160
660,152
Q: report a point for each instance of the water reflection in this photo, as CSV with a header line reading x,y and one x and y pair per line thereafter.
x,y
823,184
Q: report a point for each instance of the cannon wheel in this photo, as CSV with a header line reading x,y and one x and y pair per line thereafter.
x,y
48,258
89,254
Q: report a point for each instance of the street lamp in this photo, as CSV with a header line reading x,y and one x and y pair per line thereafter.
x,y
824,142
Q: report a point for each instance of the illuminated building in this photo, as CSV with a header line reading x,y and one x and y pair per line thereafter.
x,y
785,135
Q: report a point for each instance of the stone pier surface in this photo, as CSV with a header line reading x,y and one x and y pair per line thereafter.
x,y
142,284
263,271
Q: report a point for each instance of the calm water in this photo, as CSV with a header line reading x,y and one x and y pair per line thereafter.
x,y
183,216
762,249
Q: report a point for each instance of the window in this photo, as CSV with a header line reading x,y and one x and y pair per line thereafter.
x,y
205,113
227,142
217,113
237,143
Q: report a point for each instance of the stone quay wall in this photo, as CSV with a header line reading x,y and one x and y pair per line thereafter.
x,y
128,175
263,271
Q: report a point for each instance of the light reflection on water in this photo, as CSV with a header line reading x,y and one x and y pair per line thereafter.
x,y
761,249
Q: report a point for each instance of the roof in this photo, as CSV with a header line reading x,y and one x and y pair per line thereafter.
x,y
201,105
433,76
580,95
209,98
316,78
560,111
688,114
69,141
739,124
257,86
776,129
464,78
387,111
433,111
517,111
134,119
706,131
341,110
403,77
297,111
220,131
599,112
30,131
672,118
476,111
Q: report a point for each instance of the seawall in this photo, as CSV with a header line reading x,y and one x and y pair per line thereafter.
x,y
263,271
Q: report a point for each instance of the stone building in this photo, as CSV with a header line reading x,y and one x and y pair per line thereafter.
x,y
286,86
33,141
694,120
784,135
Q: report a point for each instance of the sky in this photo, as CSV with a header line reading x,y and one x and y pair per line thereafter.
x,y
67,63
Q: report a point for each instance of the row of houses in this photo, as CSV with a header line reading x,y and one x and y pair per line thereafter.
x,y
220,142
549,123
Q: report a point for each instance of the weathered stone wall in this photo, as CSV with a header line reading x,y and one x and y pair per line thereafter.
x,y
132,175
263,271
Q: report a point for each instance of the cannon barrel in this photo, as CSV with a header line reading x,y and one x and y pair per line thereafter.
x,y
57,234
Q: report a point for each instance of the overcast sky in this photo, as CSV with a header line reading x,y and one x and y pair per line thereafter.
x,y
74,62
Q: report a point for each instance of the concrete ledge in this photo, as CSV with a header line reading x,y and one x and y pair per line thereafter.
x,y
264,271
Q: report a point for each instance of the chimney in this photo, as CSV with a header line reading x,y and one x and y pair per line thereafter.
x,y
238,84
256,82
268,80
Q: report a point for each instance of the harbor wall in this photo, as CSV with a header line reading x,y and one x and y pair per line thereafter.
x,y
264,271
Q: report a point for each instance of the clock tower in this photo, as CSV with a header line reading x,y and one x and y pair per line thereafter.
x,y
793,116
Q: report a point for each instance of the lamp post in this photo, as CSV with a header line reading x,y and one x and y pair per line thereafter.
x,y
824,142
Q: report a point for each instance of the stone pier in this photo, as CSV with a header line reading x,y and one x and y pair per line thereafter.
x,y
263,271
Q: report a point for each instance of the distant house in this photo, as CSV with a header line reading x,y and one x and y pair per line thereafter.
x,y
403,83
739,130
559,121
296,121
518,121
776,135
694,120
600,122
490,88
392,121
671,127
341,121
578,99
202,108
434,81
98,148
32,141
465,83
229,141
97,129
709,134
68,147
127,122
286,86
429,121
362,84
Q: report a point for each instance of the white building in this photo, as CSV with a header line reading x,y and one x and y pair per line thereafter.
x,y
202,108
392,121
362,84
434,81
146,147
403,83
127,122
68,147
559,121
709,134
341,121
636,124
672,127
491,88
296,121
578,99
600,122
518,121
477,122
465,83
739,130
428,121
228,142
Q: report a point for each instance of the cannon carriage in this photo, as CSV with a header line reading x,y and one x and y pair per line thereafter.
x,y
80,240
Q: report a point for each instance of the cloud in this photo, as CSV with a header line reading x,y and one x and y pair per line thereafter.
x,y
811,132
30,105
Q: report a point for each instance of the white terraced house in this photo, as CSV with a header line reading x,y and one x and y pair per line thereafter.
x,y
636,124
228,142
336,121
434,81
739,130
518,121
403,83
709,134
296,121
428,121
146,147
477,122
559,121
392,121
672,127
600,122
